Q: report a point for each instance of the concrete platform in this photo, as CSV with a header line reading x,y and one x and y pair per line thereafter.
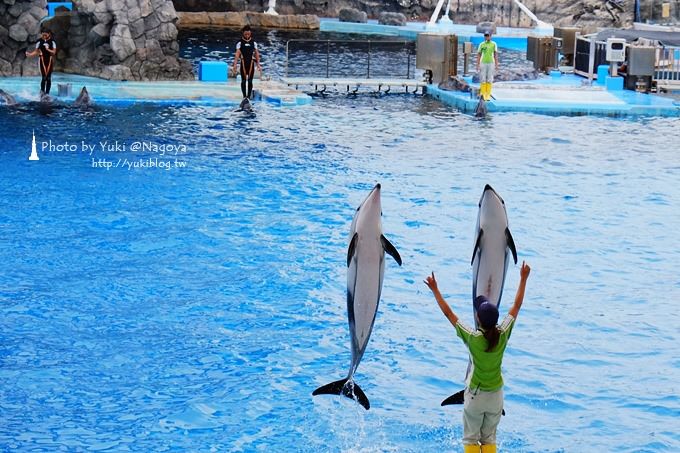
x,y
26,89
505,37
563,98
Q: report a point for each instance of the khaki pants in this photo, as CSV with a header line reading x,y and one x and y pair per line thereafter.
x,y
481,415
486,72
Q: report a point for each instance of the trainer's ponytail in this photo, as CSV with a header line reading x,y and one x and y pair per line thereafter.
x,y
492,335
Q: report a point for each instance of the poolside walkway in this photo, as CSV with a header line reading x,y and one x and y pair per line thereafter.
x,y
26,89
505,37
564,95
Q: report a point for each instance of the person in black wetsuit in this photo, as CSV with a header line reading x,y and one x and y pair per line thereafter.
x,y
247,52
46,48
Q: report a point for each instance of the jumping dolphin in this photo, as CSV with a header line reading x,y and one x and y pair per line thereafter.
x,y
83,99
490,257
366,268
7,98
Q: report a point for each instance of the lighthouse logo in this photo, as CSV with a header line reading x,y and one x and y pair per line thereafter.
x,y
34,150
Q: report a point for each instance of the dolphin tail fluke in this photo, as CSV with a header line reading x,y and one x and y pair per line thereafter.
x,y
347,388
456,398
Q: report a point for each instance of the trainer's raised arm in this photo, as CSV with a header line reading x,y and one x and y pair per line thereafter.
x,y
524,272
431,283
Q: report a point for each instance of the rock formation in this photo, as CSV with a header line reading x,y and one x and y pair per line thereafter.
x,y
387,18
584,13
120,40
239,19
19,30
352,15
112,39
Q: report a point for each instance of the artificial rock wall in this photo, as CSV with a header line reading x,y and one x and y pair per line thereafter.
x,y
584,13
112,39
120,40
19,29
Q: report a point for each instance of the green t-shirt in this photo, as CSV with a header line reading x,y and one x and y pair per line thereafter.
x,y
486,366
487,50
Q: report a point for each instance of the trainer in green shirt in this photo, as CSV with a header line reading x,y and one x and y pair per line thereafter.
x,y
483,396
486,366
487,50
487,63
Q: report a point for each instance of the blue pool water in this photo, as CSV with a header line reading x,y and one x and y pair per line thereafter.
x,y
197,308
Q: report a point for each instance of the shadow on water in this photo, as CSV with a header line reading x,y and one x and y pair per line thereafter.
x,y
52,108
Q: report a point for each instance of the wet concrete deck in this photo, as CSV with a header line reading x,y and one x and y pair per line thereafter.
x,y
26,89
565,95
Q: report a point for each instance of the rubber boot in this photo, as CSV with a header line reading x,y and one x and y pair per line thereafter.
x,y
472,448
489,448
487,91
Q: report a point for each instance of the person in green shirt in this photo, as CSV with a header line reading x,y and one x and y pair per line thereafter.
x,y
484,387
487,63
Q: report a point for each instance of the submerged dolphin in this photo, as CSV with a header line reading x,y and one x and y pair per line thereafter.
x,y
366,268
481,110
490,257
7,98
245,105
83,99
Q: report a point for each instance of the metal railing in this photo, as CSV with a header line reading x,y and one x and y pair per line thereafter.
x,y
367,57
667,68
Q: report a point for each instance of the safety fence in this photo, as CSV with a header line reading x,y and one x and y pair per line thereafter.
x,y
667,69
350,58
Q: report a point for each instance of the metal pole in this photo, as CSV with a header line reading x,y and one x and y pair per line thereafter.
x,y
408,61
368,75
287,43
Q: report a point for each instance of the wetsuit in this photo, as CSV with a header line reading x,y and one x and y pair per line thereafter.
x,y
248,49
46,63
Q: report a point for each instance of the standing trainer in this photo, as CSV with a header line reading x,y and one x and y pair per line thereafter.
x,y
47,49
487,64
247,52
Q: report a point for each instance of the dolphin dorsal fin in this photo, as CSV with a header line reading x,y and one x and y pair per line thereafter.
x,y
390,249
352,246
511,244
478,245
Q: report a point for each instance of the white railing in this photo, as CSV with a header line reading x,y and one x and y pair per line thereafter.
x,y
667,68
